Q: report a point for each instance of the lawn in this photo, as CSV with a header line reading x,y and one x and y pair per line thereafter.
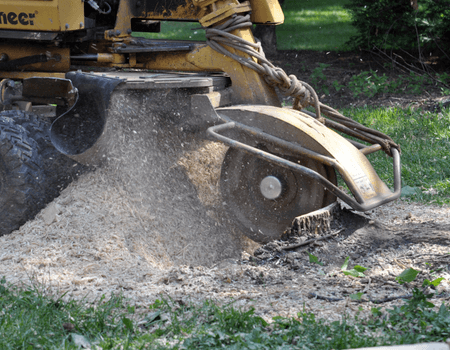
x,y
320,25
424,137
30,319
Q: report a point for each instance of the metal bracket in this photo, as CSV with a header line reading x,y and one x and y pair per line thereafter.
x,y
360,204
48,90
220,14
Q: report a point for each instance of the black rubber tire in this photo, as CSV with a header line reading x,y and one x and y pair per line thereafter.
x,y
21,177
59,169
262,219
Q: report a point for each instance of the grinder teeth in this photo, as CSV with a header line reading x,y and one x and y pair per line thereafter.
x,y
316,222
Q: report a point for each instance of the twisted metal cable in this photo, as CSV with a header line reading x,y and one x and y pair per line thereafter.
x,y
304,95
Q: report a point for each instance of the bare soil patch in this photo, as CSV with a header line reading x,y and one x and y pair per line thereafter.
x,y
152,224
342,66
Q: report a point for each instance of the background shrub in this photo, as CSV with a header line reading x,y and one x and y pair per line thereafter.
x,y
415,26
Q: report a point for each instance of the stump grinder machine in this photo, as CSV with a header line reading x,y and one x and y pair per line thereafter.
x,y
62,60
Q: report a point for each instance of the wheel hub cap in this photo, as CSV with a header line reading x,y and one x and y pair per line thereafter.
x,y
271,187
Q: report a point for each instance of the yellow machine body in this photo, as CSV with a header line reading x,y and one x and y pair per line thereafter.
x,y
63,16
48,40
42,15
69,15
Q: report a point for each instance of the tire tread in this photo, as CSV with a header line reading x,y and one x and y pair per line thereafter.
x,y
21,167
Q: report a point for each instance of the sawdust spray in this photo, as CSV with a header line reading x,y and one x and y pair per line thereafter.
x,y
172,178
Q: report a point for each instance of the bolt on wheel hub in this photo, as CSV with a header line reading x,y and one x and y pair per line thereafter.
x,y
271,187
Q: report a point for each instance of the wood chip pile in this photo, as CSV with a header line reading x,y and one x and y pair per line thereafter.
x,y
151,223
94,240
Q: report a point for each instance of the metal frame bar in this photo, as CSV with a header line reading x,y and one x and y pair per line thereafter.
x,y
360,205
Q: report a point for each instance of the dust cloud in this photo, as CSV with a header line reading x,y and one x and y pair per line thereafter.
x,y
172,178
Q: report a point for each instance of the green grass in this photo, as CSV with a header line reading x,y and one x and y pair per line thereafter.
x,y
31,320
177,31
321,25
424,138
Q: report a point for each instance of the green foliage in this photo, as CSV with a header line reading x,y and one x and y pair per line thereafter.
x,y
356,296
318,75
304,331
435,21
357,271
444,78
318,78
433,283
314,259
387,24
414,321
31,320
407,276
370,84
382,23
445,91
337,86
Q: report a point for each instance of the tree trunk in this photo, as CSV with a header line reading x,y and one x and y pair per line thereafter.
x,y
266,34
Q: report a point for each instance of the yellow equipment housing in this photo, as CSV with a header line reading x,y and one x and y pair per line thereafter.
x,y
36,15
70,15
228,87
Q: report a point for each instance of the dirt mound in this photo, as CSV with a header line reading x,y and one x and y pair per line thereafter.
x,y
154,205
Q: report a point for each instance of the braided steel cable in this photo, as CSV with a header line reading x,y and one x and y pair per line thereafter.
x,y
220,39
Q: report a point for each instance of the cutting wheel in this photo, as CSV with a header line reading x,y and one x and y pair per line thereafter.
x,y
263,198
